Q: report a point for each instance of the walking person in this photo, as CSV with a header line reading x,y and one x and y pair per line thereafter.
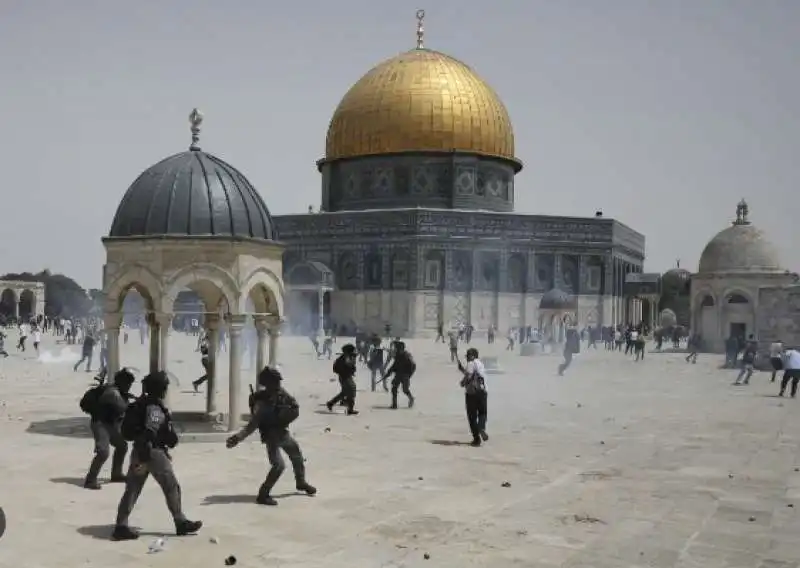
x,y
776,358
148,424
37,339
24,330
748,362
791,370
86,352
475,396
345,368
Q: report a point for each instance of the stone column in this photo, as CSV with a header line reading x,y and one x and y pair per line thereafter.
x,y
164,327
321,307
111,324
262,329
212,327
153,336
236,325
274,338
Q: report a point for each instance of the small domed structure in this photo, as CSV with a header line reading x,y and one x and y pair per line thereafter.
x,y
737,263
668,318
193,221
557,300
676,277
192,194
740,248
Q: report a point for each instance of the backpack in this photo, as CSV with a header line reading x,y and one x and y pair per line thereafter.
x,y
91,398
133,421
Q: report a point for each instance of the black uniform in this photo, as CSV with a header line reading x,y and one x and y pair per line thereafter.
x,y
272,410
345,368
105,424
155,437
403,369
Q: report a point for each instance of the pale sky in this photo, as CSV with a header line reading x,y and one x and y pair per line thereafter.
x,y
662,113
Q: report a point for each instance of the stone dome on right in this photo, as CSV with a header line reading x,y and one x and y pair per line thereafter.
x,y
741,248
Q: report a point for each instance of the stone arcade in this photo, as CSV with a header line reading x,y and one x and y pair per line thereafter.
x,y
194,221
416,226
22,299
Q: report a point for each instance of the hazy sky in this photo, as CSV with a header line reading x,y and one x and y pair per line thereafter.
x,y
663,113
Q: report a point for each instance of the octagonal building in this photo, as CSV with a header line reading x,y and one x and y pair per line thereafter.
x,y
416,227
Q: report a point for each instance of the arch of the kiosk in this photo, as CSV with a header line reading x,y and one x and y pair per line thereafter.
x,y
308,287
225,299
20,299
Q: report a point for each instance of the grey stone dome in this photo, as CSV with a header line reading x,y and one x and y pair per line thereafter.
x,y
740,248
557,299
192,194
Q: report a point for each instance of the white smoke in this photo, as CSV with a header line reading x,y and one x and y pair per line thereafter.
x,y
66,355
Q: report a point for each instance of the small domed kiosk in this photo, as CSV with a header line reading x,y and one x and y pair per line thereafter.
x,y
557,310
734,265
194,221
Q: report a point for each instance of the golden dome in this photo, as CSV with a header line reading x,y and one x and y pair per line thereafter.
x,y
420,100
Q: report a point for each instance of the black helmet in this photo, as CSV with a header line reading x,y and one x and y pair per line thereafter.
x,y
472,352
124,378
399,345
155,383
269,375
349,349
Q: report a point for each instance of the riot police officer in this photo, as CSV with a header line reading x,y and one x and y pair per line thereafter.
x,y
271,411
403,368
148,424
106,420
345,368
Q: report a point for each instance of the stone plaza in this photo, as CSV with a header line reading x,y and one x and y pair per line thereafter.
x,y
616,464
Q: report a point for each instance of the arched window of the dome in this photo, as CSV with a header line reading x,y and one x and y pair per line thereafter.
x,y
737,299
707,302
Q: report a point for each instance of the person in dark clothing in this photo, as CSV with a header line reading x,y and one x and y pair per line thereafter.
x,y
572,345
403,369
345,368
748,362
205,360
148,423
272,409
693,346
475,396
86,352
106,421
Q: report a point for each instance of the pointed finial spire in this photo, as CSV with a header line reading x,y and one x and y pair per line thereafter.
x,y
742,213
420,29
678,263
196,121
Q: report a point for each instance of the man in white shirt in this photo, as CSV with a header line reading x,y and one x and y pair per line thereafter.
x,y
475,395
24,330
791,370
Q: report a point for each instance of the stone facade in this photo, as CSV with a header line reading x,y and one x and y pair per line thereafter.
x,y
414,268
779,314
16,293
730,303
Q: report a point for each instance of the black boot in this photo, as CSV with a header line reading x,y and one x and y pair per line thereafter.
x,y
394,402
266,499
306,487
329,405
185,527
410,401
92,484
124,532
118,478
